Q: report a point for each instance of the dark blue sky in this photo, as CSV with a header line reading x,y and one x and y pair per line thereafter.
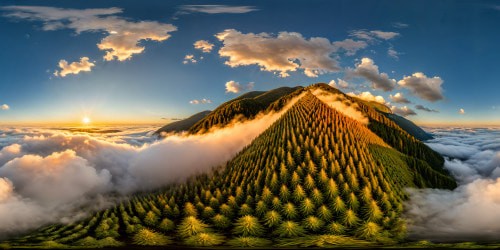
x,y
453,42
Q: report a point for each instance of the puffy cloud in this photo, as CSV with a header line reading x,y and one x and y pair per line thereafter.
x,y
6,189
368,70
281,54
189,59
426,88
399,98
461,111
374,34
350,46
420,107
236,87
74,67
402,111
58,177
368,96
215,9
122,36
202,101
204,46
5,107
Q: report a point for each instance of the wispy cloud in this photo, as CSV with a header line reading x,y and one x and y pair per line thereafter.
x,y
421,107
373,34
399,25
202,101
215,9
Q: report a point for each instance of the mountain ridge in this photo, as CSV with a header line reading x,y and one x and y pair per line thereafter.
x,y
316,174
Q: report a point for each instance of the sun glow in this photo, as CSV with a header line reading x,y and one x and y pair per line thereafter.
x,y
86,120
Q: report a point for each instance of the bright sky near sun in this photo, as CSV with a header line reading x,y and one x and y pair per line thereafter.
x,y
151,61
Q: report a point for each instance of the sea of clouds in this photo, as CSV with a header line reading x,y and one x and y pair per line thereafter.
x,y
61,174
471,211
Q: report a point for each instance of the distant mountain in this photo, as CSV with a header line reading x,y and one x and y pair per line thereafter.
x,y
315,177
183,125
409,127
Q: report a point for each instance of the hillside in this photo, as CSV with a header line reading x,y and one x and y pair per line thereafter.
x,y
315,177
243,107
183,125
409,127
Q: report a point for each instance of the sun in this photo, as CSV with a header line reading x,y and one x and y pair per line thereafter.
x,y
86,120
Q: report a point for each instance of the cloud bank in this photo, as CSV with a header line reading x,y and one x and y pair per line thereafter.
x,y
341,104
368,96
48,175
470,212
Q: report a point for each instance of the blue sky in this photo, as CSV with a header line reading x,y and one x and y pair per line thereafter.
x,y
453,44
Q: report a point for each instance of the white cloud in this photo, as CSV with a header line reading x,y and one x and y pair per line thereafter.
x,y
202,101
341,104
386,35
399,98
399,25
368,96
402,111
5,107
6,189
236,87
393,53
122,36
350,46
374,34
368,70
204,46
281,54
426,88
74,67
189,59
215,9
461,111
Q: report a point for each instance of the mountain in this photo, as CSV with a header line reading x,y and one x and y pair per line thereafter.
x,y
244,107
409,127
315,177
183,125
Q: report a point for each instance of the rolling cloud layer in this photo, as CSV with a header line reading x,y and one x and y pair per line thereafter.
x,y
471,211
47,175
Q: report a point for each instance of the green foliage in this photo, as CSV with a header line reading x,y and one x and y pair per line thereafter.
x,y
166,225
248,226
272,219
204,240
288,229
249,242
190,226
146,237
